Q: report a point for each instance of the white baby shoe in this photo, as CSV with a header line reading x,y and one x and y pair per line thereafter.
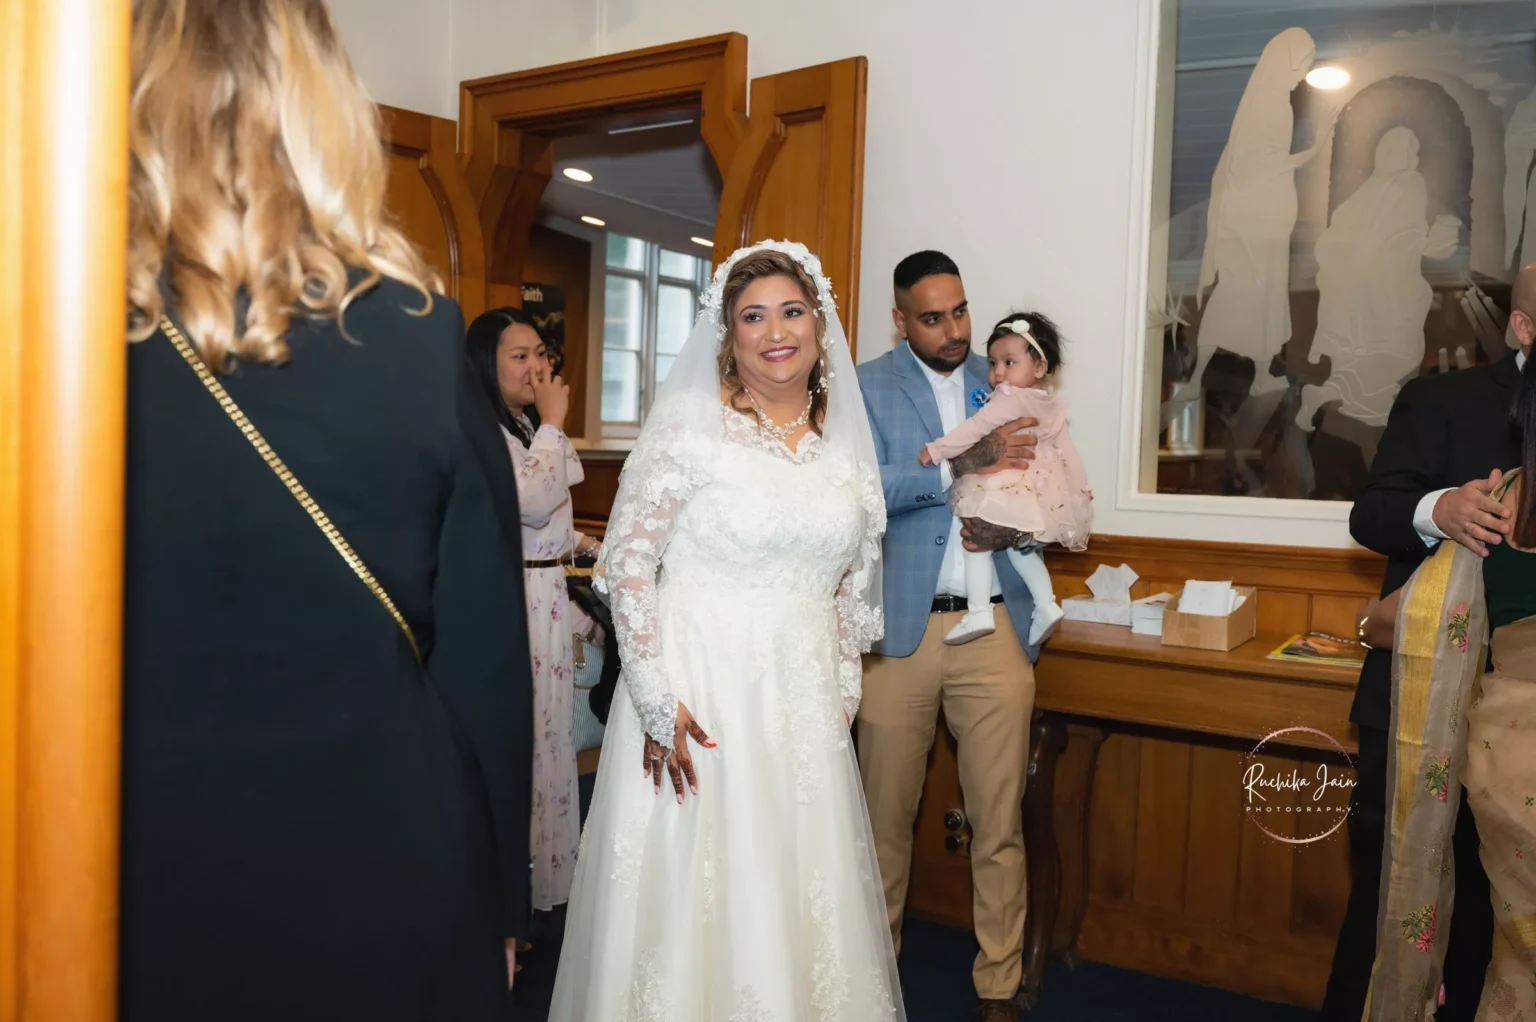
x,y
1044,621
974,625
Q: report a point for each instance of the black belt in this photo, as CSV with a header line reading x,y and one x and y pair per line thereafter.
x,y
543,564
954,604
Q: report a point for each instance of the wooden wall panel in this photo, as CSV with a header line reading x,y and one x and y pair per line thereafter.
x,y
1113,825
800,173
592,499
429,196
1180,882
1162,831
1216,829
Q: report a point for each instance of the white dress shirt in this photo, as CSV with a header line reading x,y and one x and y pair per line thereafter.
x,y
949,392
1424,513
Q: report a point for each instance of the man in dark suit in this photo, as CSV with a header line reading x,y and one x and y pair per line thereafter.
x,y
1446,445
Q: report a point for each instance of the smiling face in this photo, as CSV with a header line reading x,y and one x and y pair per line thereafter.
x,y
773,334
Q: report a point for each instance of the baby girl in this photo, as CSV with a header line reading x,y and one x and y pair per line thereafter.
x,y
1050,501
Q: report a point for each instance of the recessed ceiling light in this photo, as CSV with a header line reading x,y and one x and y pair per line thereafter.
x,y
702,241
1327,78
594,221
577,174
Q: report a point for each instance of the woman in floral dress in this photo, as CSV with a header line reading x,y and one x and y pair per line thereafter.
x,y
513,367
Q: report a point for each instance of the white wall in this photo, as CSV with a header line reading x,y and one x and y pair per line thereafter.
x,y
999,131
402,49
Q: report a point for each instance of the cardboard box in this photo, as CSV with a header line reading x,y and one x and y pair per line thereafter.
x,y
1086,608
1207,631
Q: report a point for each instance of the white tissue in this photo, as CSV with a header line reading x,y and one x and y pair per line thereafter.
x,y
1110,603
1112,585
1212,599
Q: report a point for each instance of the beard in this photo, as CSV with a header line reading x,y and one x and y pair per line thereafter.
x,y
939,362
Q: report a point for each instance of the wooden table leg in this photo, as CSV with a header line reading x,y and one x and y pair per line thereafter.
x,y
1074,790
1047,741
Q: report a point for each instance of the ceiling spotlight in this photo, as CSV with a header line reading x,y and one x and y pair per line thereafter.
x,y
576,174
702,241
594,221
1327,78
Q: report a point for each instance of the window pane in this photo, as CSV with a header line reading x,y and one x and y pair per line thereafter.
x,y
675,264
674,319
663,365
626,253
621,314
621,386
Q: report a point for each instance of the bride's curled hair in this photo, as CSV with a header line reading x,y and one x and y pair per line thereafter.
x,y
255,167
755,266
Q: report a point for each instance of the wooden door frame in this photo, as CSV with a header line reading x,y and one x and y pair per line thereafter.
x,y
504,121
63,365
433,142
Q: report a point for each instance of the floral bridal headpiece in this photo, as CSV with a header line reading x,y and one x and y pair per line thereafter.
x,y
710,302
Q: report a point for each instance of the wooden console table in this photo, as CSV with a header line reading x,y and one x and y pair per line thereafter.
x,y
1094,677
1139,851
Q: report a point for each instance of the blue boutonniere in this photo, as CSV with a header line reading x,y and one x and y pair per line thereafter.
x,y
979,397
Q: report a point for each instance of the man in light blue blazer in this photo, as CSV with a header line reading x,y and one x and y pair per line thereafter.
x,y
915,393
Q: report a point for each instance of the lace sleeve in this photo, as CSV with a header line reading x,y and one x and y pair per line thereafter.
x,y
860,619
657,480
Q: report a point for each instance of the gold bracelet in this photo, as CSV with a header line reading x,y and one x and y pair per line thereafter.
x,y
1360,632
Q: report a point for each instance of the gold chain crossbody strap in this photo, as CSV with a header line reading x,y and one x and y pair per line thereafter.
x,y
319,517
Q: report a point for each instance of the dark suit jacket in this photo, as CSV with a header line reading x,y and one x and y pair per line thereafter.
x,y
1444,431
293,793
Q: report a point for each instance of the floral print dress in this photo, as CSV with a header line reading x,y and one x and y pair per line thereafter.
x,y
546,470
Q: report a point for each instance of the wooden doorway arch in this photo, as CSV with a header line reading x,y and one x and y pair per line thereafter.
x,y
507,123
793,169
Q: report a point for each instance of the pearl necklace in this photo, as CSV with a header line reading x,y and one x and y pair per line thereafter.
x,y
779,433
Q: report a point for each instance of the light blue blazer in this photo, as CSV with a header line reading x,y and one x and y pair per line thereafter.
x,y
904,416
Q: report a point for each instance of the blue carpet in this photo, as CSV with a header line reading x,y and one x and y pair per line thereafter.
x,y
936,983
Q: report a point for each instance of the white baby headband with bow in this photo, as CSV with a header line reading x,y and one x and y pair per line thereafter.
x,y
1020,326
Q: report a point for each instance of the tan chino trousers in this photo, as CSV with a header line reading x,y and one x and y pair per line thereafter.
x,y
986,689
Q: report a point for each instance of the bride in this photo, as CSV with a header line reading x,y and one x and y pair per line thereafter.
x,y
742,562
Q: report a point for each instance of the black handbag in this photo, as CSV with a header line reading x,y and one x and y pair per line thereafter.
x,y
578,587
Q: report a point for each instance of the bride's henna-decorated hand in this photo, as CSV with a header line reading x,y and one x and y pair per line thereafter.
x,y
678,762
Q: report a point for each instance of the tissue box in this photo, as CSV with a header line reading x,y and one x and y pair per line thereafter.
x,y
1208,631
1147,614
1086,608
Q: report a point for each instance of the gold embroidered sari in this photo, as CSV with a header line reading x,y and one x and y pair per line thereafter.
x,y
1453,725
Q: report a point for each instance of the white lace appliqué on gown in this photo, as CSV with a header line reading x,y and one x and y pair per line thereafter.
x,y
730,574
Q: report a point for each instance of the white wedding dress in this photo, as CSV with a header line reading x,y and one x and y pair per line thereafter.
x,y
759,899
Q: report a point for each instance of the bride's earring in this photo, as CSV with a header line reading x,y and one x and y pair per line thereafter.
x,y
827,377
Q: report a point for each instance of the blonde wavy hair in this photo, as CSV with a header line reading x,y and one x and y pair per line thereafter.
x,y
255,165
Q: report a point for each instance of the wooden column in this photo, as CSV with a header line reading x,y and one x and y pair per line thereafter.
x,y
63,178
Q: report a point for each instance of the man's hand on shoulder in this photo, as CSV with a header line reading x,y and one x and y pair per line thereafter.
x,y
1470,516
